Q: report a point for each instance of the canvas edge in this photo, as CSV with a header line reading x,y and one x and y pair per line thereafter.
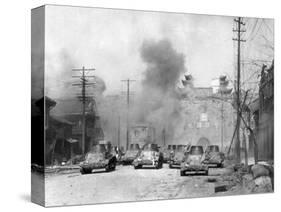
x,y
37,74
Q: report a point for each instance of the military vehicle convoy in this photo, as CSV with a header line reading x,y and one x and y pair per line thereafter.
x,y
144,152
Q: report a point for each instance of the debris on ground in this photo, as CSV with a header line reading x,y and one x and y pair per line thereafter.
x,y
259,170
263,185
248,182
221,188
66,169
76,159
259,178
223,171
211,180
239,167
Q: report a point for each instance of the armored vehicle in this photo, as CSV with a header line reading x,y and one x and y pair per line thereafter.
x,y
149,156
131,154
98,158
213,156
193,162
166,153
177,156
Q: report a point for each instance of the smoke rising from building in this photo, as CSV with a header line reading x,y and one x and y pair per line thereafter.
x,y
164,65
158,103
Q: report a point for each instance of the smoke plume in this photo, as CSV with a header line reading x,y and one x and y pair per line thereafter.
x,y
164,65
159,103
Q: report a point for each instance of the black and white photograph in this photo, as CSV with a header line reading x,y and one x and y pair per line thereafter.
x,y
131,105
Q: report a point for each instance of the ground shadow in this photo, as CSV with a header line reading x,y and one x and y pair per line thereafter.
x,y
147,167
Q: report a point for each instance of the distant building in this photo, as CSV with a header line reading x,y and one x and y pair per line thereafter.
x,y
208,115
142,134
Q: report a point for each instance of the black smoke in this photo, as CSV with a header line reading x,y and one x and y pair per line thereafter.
x,y
159,101
164,65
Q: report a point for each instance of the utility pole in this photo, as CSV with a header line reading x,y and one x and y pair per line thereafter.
x,y
222,123
223,90
128,81
115,117
239,40
84,98
244,144
164,136
118,132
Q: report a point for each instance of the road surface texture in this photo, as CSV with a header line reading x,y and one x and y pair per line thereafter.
x,y
128,184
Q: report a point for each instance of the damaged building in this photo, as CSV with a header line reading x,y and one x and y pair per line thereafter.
x,y
63,130
263,113
207,113
70,110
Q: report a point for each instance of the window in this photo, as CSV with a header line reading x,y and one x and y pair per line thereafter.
x,y
204,117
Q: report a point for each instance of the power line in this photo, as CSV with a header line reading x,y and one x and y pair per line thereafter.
x,y
253,29
238,30
267,26
256,33
83,97
128,81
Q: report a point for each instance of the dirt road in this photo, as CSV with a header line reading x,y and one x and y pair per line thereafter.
x,y
124,184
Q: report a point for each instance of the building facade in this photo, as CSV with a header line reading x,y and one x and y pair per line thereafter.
x,y
207,116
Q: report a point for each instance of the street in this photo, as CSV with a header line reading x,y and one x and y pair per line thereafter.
x,y
127,184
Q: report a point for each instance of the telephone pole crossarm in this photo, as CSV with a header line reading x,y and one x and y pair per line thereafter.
x,y
239,31
128,81
83,97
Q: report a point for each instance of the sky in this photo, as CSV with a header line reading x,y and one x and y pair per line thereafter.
x,y
110,41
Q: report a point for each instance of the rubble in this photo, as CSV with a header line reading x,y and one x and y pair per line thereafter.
x,y
66,169
259,170
263,185
259,179
221,171
248,182
75,160
211,180
221,188
263,178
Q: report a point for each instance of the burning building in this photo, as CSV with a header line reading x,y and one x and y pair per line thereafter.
x,y
70,110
